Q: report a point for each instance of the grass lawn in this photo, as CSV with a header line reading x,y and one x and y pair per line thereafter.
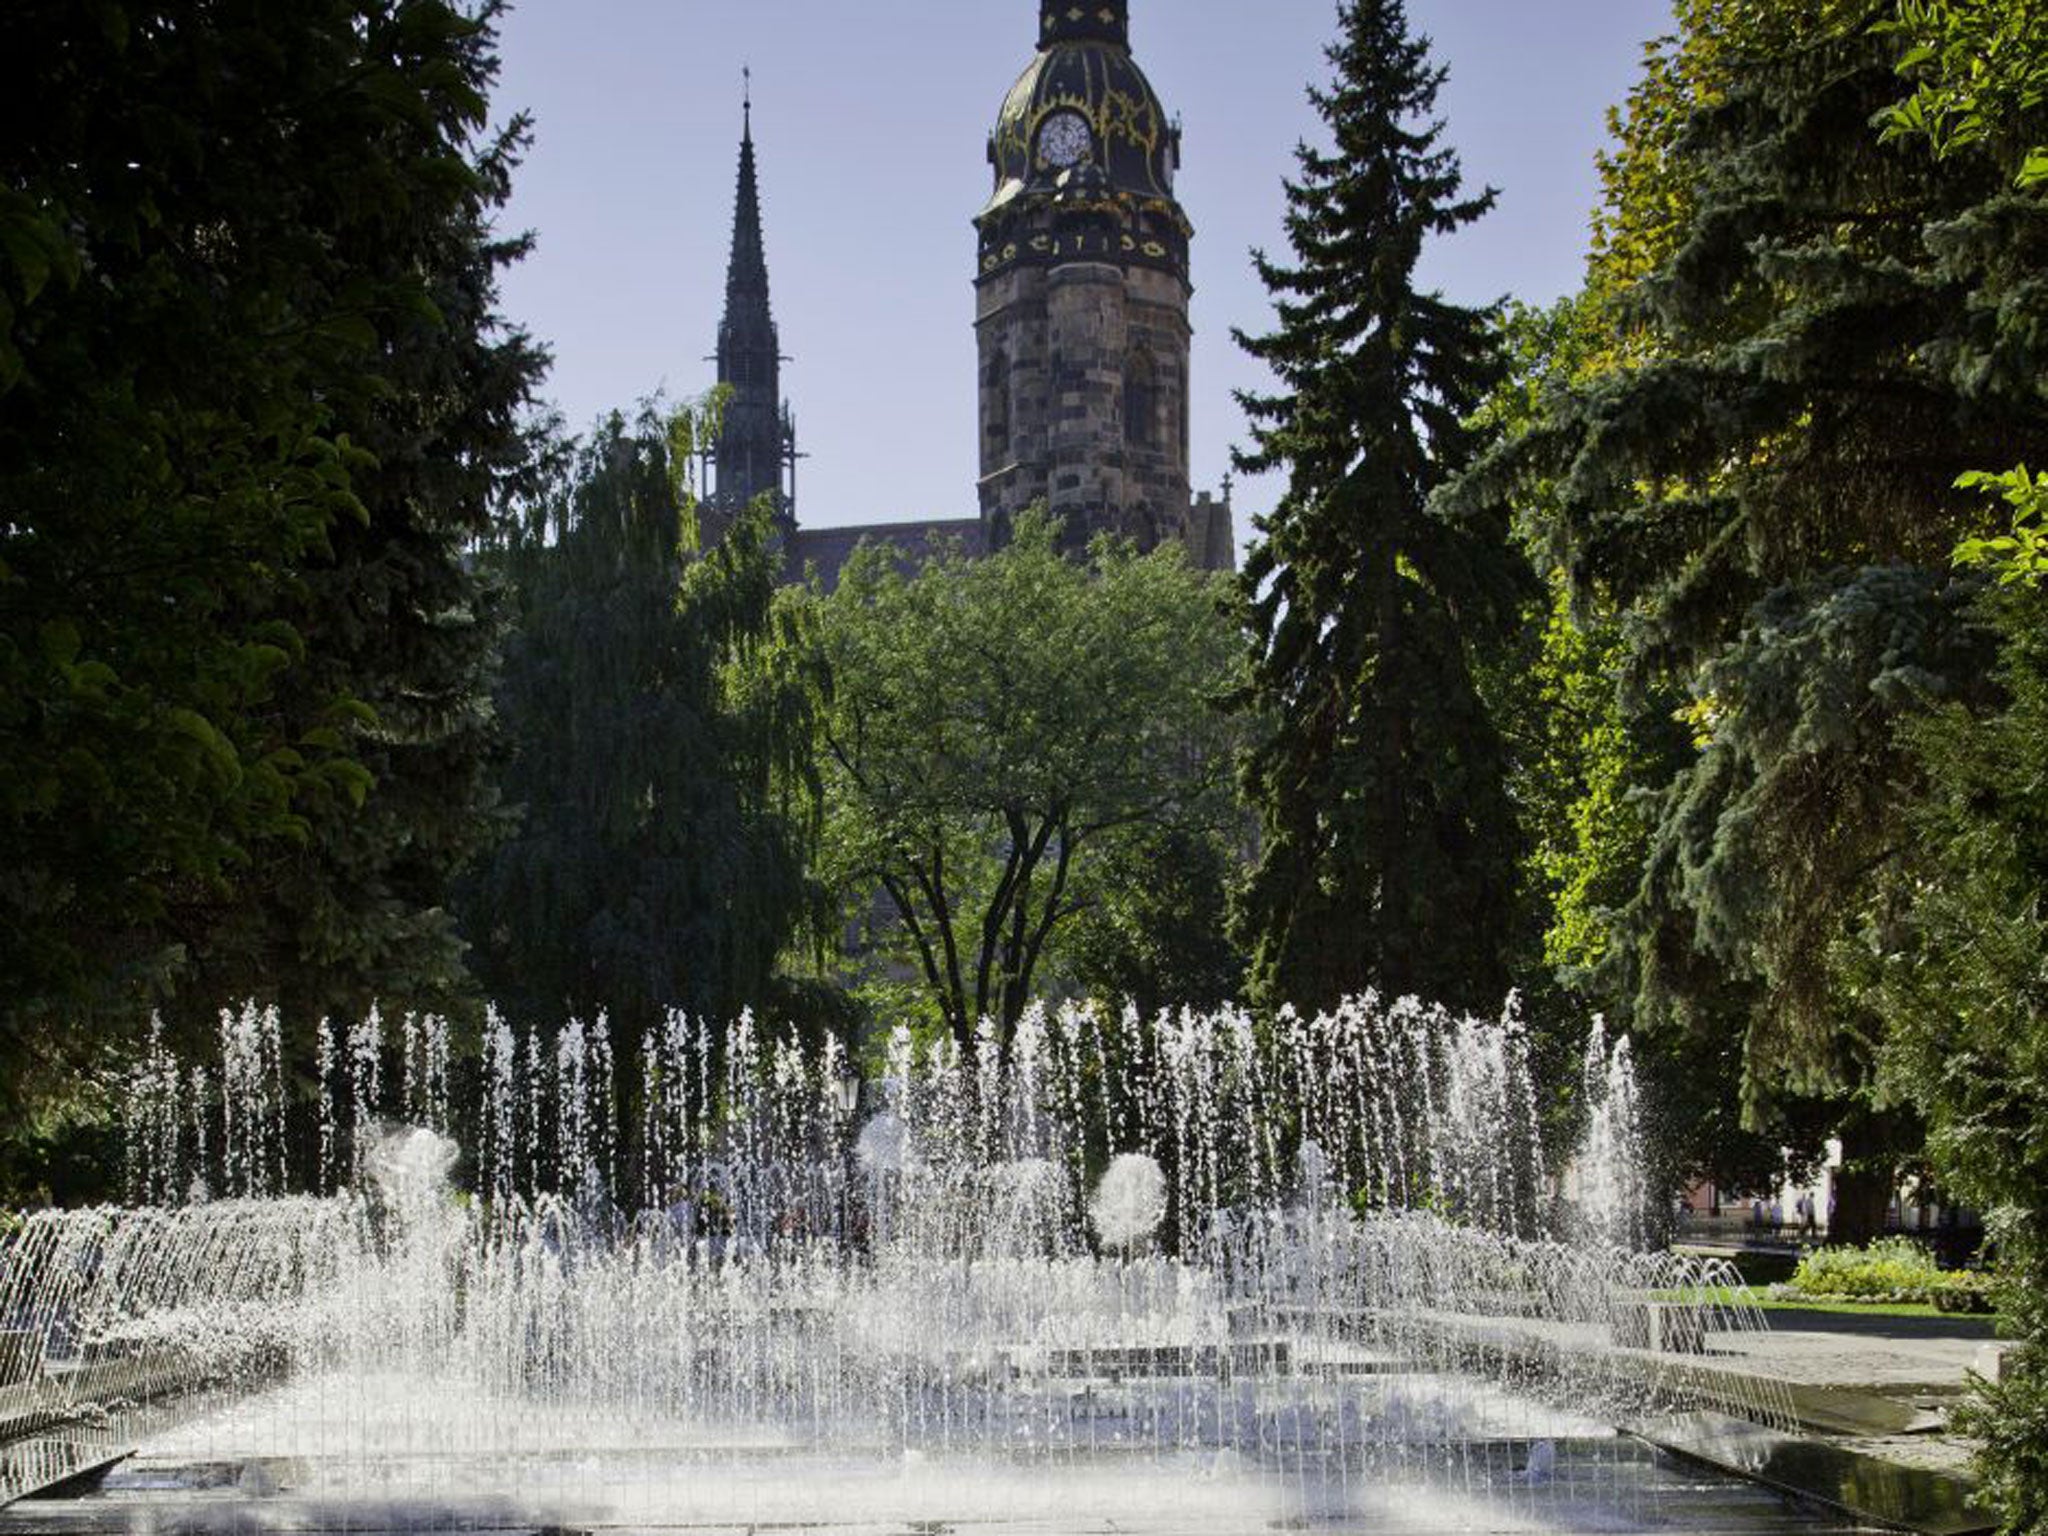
x,y
1760,1296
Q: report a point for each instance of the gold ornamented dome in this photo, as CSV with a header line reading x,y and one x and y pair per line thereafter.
x,y
1083,131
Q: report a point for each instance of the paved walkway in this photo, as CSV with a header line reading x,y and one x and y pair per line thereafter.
x,y
1880,1354
1884,1386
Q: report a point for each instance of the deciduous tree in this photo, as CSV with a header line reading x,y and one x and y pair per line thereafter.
x,y
1003,735
659,777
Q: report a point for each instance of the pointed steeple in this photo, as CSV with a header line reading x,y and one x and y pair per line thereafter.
x,y
754,442
746,276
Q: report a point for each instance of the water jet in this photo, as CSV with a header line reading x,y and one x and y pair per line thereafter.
x,y
1171,1273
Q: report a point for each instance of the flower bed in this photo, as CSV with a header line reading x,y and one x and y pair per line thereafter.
x,y
1893,1271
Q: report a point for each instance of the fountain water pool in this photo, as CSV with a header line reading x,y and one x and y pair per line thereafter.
x,y
813,1315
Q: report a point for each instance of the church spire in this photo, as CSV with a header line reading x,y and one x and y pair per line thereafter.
x,y
754,443
746,276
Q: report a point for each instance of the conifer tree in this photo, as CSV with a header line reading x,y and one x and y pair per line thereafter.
x,y
255,401
401,619
1812,334
1961,974
1387,849
1956,948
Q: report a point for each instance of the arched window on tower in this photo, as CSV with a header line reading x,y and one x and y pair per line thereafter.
x,y
1141,400
995,407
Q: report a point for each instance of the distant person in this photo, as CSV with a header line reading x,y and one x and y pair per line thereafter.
x,y
715,1221
1809,1215
682,1220
1777,1217
1756,1213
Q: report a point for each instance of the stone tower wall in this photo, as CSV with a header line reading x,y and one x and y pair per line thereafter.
x,y
1084,370
1157,337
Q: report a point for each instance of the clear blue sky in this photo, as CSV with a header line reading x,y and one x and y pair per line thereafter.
x,y
871,121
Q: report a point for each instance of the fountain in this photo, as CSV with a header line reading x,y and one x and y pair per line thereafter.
x,y
1121,1273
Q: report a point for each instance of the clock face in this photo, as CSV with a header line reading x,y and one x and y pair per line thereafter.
x,y
1064,140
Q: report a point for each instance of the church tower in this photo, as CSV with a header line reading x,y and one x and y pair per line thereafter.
x,y
1082,296
756,449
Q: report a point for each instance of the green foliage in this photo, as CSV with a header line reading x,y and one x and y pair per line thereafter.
x,y
67,1148
2009,1419
1890,1269
1156,933
1810,337
1585,848
2021,556
1652,191
658,762
256,401
1980,73
1586,753
1959,950
1764,848
1962,955
1956,956
1961,1288
1583,747
1554,699
1740,456
1966,1292
1006,742
1387,839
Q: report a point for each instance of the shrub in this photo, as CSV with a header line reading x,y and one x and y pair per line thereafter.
x,y
2009,1419
1893,1269
1964,1291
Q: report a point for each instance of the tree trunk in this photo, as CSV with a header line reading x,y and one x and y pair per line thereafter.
x,y
1862,1196
1874,1144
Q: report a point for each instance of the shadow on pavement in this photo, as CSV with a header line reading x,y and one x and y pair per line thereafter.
x,y
1804,1320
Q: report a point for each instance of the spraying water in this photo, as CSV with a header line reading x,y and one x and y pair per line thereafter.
x,y
1130,1202
1612,1192
1316,1270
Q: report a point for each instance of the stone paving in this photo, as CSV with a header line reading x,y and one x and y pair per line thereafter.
x,y
1882,1385
1879,1354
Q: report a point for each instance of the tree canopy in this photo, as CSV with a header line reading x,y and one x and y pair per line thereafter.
x,y
658,773
997,732
1760,480
257,399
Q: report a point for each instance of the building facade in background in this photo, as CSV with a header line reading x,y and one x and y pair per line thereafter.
x,y
1081,318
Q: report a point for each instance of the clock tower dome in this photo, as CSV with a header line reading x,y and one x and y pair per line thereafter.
x,y
1082,295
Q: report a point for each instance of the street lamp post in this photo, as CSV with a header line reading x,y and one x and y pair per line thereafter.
x,y
846,1094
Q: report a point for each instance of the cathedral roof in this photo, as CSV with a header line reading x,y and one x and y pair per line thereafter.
x,y
823,552
1084,70
755,433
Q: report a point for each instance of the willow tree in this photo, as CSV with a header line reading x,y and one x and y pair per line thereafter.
x,y
1387,856
657,777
